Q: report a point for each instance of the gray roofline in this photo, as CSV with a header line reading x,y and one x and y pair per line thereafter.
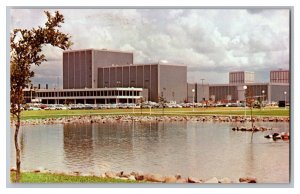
x,y
242,84
174,65
87,89
241,72
92,49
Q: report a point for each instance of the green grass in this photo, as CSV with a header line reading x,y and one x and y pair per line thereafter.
x,y
30,177
225,111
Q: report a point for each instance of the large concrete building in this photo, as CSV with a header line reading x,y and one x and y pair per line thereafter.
x,y
280,76
105,76
91,68
80,66
161,80
241,77
198,92
234,91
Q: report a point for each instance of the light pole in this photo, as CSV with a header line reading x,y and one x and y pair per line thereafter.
x,y
285,99
193,90
163,101
245,88
263,98
202,92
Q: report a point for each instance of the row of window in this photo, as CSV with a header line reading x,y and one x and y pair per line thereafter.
x,y
88,93
279,76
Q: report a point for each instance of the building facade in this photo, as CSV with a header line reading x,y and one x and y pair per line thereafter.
x,y
86,96
277,90
161,80
269,92
198,92
280,76
80,66
241,77
105,76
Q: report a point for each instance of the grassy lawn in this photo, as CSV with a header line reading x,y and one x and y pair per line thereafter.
x,y
30,177
40,114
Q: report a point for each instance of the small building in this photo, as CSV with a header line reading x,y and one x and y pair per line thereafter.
x,y
280,76
241,77
87,96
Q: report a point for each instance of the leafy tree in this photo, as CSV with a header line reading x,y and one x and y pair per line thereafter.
x,y
25,50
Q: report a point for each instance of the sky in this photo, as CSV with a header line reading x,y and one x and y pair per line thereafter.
x,y
211,42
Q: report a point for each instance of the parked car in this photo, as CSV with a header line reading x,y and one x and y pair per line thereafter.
x,y
50,107
60,107
33,108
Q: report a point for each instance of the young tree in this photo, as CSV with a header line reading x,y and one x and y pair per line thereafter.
x,y
250,100
142,101
162,101
25,50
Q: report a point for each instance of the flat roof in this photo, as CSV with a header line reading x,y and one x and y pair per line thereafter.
x,y
279,70
102,50
251,84
241,72
128,65
87,89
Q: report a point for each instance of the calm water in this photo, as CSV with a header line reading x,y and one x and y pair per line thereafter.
x,y
202,150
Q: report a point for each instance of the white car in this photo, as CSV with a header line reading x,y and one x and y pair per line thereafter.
x,y
34,108
60,107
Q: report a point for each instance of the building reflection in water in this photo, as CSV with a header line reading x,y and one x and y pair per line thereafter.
x,y
99,147
78,145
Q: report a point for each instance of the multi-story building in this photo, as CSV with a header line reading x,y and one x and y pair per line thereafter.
x,y
235,90
161,80
105,76
241,77
80,66
280,76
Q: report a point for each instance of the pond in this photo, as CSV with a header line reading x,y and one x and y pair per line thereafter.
x,y
199,149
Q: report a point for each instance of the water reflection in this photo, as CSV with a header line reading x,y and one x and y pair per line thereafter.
x,y
190,148
78,145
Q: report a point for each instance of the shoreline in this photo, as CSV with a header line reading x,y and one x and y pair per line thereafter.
x,y
142,118
131,177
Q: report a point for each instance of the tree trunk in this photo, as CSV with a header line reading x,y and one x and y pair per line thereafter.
x,y
18,158
251,119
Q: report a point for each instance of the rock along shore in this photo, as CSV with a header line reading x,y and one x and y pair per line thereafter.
x,y
148,177
129,118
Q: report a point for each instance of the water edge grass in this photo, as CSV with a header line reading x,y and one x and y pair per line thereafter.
x,y
31,177
220,111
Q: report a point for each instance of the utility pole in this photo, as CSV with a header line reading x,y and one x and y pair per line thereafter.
x,y
202,91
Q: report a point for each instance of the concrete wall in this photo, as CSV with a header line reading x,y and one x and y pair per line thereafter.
x,y
77,69
80,66
102,58
277,93
143,76
200,92
241,77
166,80
172,82
190,94
225,92
280,76
255,91
272,92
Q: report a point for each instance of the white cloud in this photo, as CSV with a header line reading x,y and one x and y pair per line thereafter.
x,y
206,40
